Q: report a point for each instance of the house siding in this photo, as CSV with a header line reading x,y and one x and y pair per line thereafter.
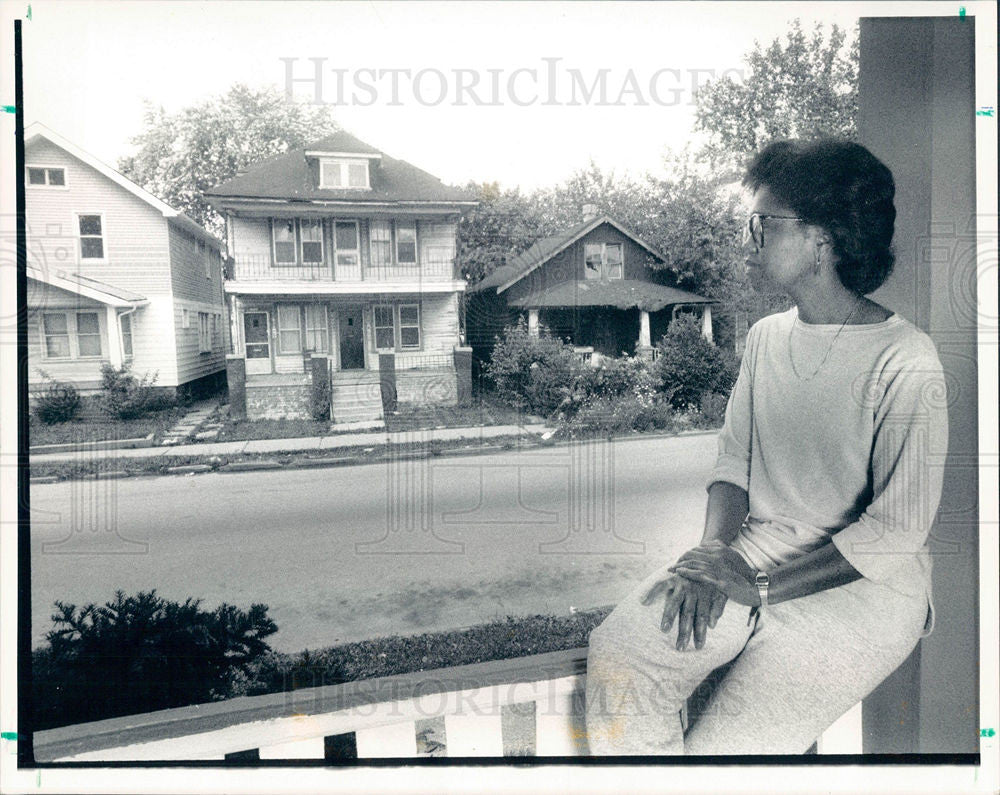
x,y
135,234
85,374
196,293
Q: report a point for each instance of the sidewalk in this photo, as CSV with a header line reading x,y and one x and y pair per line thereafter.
x,y
333,442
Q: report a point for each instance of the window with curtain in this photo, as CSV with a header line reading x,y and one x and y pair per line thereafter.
x,y
289,329
592,260
316,328
284,241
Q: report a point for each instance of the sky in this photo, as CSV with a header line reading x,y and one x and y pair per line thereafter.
x,y
460,110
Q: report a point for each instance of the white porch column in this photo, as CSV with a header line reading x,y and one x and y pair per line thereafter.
x,y
706,322
533,322
114,337
644,329
235,319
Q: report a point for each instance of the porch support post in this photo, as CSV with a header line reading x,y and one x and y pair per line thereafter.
x,y
644,348
114,337
236,380
235,319
463,374
387,381
706,322
533,322
322,392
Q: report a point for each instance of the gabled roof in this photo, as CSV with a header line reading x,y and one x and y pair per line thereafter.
x,y
39,130
545,249
290,177
88,288
619,293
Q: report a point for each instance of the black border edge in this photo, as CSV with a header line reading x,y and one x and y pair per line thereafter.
x,y
25,745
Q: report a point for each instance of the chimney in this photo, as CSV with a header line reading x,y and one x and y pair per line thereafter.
x,y
589,212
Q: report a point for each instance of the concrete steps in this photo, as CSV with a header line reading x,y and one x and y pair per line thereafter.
x,y
356,398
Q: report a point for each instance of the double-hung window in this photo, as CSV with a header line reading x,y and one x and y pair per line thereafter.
x,y
385,327
312,241
91,228
284,241
409,326
289,329
205,255
380,234
125,322
71,335
46,176
406,242
603,260
316,328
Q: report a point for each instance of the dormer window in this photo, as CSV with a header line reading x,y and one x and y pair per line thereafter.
x,y
340,173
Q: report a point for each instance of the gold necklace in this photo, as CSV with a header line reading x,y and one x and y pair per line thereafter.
x,y
791,358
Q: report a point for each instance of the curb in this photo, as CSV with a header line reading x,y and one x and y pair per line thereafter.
x,y
189,469
251,466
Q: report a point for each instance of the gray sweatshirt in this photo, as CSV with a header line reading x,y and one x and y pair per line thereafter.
x,y
853,455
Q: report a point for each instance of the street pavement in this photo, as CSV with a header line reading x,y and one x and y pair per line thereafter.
x,y
395,547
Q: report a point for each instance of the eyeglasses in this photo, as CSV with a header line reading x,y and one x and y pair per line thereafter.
x,y
754,230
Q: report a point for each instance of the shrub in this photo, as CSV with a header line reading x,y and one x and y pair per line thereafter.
x,y
125,397
689,366
532,373
713,408
139,654
56,402
615,415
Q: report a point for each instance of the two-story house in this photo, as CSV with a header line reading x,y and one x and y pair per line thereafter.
x,y
343,254
115,275
596,285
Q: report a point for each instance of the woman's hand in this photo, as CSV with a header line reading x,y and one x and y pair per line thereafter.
x,y
718,565
700,607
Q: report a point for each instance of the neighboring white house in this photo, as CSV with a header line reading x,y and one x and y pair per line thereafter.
x,y
115,275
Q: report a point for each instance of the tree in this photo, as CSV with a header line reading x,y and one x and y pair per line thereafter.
x,y
802,87
183,154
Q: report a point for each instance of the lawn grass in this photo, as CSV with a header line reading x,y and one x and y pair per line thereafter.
x,y
251,430
502,639
77,431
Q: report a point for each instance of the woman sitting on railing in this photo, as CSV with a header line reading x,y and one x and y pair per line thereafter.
x,y
820,502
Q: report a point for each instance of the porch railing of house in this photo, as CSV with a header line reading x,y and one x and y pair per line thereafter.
x,y
257,268
531,706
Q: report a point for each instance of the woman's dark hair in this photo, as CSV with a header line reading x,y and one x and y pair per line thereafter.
x,y
843,188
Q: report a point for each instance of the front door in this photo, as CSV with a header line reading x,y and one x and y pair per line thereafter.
x,y
256,335
352,340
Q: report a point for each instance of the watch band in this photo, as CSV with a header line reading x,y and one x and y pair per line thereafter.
x,y
763,582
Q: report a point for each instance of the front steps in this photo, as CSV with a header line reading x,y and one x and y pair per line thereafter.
x,y
357,396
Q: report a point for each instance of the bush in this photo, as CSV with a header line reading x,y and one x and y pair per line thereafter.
x,y
139,654
125,397
532,373
56,402
713,408
615,415
688,366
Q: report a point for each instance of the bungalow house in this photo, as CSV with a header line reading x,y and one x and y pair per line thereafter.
x,y
342,267
594,285
115,275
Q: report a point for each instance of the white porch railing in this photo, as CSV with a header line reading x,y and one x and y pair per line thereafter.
x,y
533,706
260,268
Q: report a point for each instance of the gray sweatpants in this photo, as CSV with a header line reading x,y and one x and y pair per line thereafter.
x,y
797,669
